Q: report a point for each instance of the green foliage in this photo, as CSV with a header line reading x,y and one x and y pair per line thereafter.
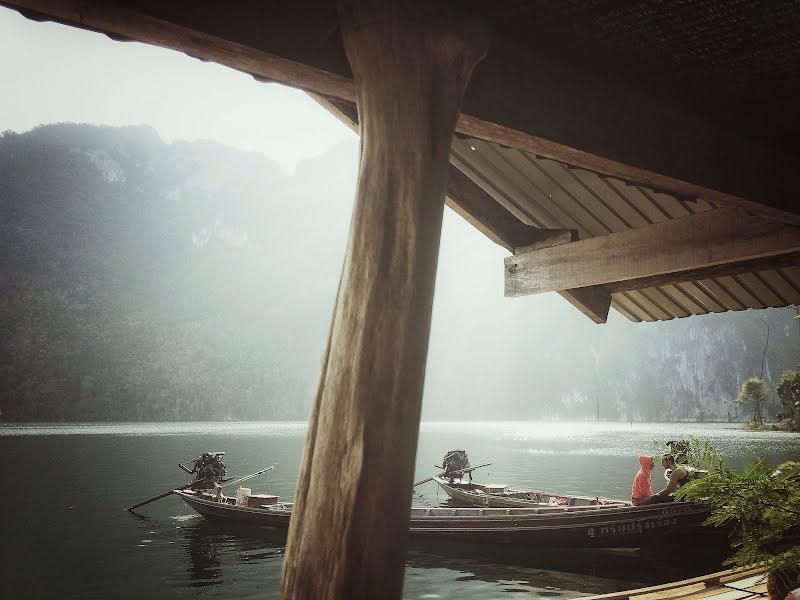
x,y
692,451
761,504
788,390
754,391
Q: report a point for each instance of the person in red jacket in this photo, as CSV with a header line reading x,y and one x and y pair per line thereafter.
x,y
641,489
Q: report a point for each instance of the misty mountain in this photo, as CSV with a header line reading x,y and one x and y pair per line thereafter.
x,y
141,280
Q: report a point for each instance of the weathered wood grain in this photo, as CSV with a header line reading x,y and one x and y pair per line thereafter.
x,y
694,242
349,527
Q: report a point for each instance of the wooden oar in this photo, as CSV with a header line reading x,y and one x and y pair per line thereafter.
x,y
164,495
462,471
247,477
190,485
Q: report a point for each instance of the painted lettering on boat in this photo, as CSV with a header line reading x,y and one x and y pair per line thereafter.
x,y
677,509
631,527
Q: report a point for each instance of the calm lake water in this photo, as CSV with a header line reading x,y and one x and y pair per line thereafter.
x,y
66,534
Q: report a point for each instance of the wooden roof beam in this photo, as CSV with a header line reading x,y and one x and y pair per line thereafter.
x,y
593,301
663,253
768,263
495,221
472,203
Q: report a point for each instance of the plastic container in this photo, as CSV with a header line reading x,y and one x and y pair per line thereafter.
x,y
243,496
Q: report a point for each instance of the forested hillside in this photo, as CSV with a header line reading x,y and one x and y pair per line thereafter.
x,y
141,280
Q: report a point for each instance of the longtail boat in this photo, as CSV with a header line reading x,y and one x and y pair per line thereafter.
x,y
611,525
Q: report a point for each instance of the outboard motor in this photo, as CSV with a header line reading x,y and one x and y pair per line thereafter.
x,y
454,463
207,468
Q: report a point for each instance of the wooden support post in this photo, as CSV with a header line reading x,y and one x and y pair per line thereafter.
x,y
411,63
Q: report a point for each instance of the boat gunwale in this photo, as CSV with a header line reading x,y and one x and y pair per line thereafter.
x,y
481,515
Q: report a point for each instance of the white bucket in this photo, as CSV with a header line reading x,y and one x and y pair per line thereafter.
x,y
242,496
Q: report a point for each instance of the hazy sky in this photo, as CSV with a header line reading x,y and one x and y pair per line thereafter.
x,y
53,73
62,73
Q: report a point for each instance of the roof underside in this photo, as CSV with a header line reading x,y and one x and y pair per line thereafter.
x,y
736,62
598,116
552,195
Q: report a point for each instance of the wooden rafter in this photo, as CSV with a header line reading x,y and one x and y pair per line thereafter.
x,y
718,242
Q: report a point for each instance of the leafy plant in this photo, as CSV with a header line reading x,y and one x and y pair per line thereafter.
x,y
692,451
788,391
754,391
761,504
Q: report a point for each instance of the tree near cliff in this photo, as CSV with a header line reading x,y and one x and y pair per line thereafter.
x,y
788,391
754,391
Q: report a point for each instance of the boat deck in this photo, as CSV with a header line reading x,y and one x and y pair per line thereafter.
x,y
733,584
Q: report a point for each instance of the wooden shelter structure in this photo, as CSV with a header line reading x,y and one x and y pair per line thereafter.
x,y
749,583
631,154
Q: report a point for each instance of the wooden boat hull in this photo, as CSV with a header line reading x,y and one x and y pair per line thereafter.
x,y
546,527
468,493
277,516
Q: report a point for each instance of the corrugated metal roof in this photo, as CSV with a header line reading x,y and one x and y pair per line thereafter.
x,y
552,195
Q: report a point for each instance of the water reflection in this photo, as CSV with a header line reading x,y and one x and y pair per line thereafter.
x,y
210,544
544,572
202,542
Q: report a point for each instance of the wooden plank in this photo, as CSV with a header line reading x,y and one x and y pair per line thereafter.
x,y
473,203
621,305
491,161
738,574
678,592
742,294
783,209
685,299
593,302
493,220
655,312
725,298
550,187
712,579
786,291
412,69
743,583
653,212
694,242
525,208
659,296
597,186
669,204
761,588
719,593
755,285
561,176
634,304
692,275
698,291
124,23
